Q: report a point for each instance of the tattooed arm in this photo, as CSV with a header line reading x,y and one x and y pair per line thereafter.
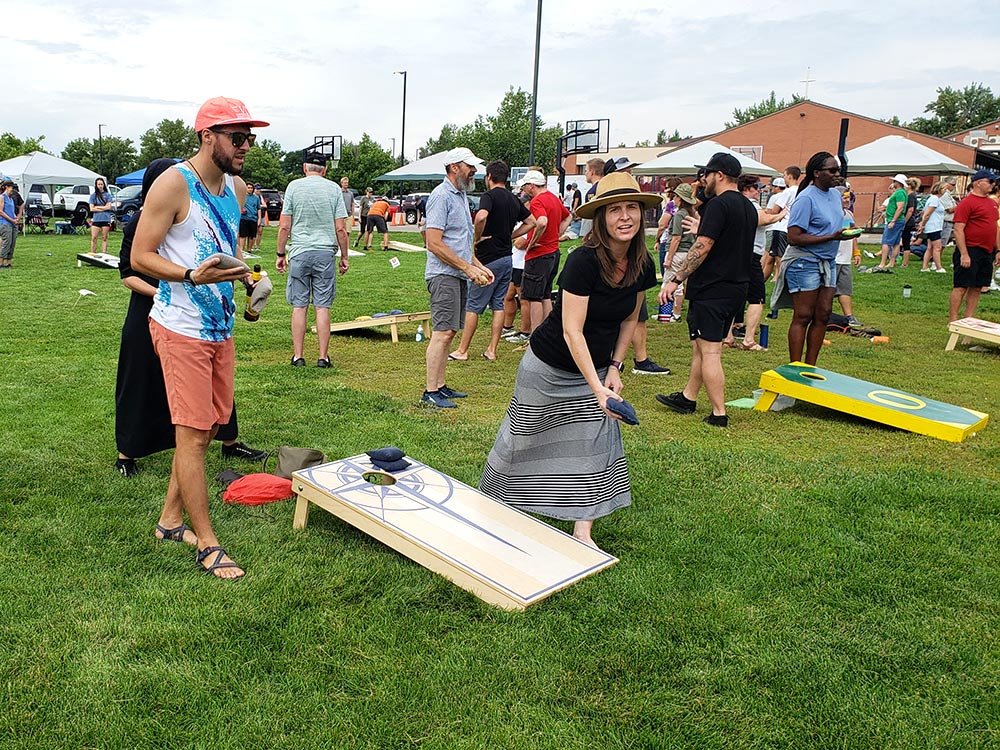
x,y
695,257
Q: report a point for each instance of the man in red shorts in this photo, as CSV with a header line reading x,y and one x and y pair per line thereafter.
x,y
191,214
976,242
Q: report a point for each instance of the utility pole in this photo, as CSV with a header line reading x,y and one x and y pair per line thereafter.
x,y
534,88
100,150
402,135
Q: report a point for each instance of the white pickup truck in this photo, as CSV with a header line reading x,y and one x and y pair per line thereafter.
x,y
76,198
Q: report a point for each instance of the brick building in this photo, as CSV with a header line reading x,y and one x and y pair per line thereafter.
x,y
792,135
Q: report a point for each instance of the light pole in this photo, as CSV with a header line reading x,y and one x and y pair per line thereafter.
x,y
402,135
100,149
534,88
393,152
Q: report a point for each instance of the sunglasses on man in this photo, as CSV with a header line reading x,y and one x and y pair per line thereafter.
x,y
237,137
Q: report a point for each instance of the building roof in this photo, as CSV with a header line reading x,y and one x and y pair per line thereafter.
x,y
808,103
993,124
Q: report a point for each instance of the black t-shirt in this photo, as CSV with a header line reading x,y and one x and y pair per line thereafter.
x,y
911,206
125,255
505,211
606,311
731,221
577,199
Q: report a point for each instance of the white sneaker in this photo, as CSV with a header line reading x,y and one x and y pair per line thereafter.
x,y
941,270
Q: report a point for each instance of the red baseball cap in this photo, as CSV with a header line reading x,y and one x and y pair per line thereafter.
x,y
221,110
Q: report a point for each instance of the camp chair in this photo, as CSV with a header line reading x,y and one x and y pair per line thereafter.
x,y
35,219
79,223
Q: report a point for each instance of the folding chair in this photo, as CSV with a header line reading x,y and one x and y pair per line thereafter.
x,y
35,219
79,223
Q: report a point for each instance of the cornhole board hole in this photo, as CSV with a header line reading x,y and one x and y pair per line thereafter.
x,y
98,260
870,401
974,328
392,321
506,558
405,247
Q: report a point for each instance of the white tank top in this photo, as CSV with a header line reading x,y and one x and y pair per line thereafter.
x,y
206,311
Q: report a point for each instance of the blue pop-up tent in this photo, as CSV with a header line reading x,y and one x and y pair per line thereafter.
x,y
133,178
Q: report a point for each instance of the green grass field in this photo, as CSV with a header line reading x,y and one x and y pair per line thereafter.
x,y
803,580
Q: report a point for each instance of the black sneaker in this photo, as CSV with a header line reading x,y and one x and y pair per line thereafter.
x,y
298,362
323,363
649,367
678,402
244,452
437,399
717,420
450,393
127,467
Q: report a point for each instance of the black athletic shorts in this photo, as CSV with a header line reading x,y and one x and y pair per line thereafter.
x,y
100,223
376,223
644,311
756,291
711,319
976,275
539,273
515,276
248,228
779,241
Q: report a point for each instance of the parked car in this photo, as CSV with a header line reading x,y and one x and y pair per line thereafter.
x,y
75,199
273,201
37,194
409,206
128,202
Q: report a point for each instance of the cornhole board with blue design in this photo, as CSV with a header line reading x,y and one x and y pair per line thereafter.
x,y
878,403
505,557
974,328
98,260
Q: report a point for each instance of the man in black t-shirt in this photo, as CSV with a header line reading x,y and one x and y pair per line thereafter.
x,y
716,275
499,212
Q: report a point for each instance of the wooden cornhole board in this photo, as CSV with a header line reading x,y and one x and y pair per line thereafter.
x,y
870,401
405,247
506,558
392,321
974,328
98,260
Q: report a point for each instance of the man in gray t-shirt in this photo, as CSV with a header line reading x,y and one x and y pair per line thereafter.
x,y
311,227
345,187
451,266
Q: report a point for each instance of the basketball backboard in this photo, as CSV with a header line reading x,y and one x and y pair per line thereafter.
x,y
586,137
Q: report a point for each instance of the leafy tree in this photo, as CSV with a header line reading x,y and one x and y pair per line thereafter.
x,y
643,144
119,155
955,110
676,136
170,138
362,162
894,120
504,135
760,109
272,147
661,137
261,166
11,145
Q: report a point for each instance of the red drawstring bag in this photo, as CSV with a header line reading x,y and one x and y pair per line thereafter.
x,y
258,489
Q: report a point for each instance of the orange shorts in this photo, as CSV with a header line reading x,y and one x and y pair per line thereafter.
x,y
198,376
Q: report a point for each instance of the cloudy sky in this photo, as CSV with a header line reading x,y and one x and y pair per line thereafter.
x,y
326,67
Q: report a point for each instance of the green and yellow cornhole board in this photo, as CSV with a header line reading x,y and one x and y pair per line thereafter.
x,y
870,401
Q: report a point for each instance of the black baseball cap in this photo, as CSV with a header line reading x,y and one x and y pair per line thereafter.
x,y
722,162
312,157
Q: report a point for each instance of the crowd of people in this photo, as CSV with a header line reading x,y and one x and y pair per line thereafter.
x,y
559,449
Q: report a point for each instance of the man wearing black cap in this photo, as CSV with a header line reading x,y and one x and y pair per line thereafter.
x,y
976,241
312,217
716,275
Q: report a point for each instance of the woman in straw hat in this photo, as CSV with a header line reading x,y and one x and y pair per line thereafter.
x,y
559,450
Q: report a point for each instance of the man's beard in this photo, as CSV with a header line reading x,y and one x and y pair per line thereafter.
x,y
225,163
467,185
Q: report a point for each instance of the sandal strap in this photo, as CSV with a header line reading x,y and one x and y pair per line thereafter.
x,y
175,534
202,554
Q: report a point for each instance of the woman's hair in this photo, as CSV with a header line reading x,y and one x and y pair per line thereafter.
x,y
102,181
913,183
937,188
637,255
815,163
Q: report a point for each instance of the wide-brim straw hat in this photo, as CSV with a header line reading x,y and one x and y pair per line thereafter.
x,y
614,188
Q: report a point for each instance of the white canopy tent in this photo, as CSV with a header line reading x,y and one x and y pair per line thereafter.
x,y
37,168
429,168
894,153
686,160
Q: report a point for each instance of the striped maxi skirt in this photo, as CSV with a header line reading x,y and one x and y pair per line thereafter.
x,y
557,454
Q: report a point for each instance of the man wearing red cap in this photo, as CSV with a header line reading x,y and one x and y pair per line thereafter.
x,y
189,219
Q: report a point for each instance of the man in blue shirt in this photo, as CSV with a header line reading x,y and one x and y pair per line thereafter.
x,y
450,266
8,224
